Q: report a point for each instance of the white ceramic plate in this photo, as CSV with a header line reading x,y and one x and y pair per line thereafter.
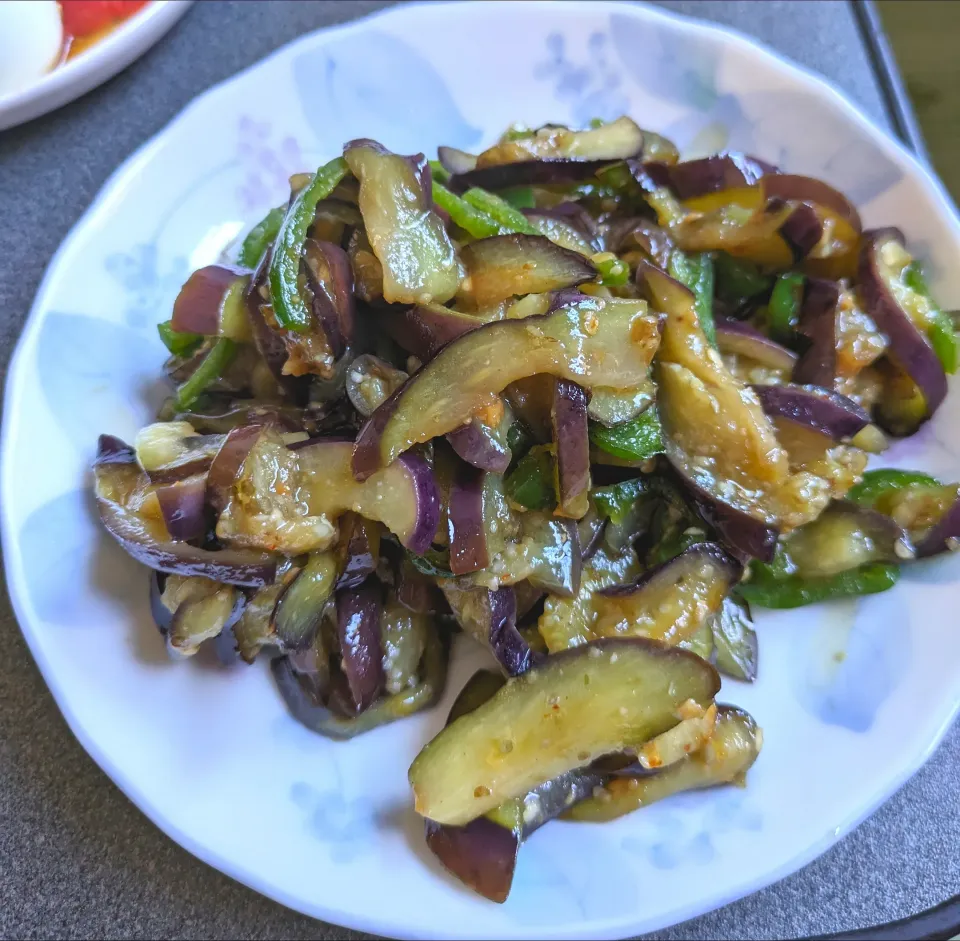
x,y
211,755
101,61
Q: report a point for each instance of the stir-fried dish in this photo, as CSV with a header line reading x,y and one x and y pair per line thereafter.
x,y
574,397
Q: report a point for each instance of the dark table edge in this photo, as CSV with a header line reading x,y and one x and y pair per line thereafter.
x,y
892,86
942,921
935,924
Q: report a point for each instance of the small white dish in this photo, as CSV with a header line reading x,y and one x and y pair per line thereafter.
x,y
95,65
211,756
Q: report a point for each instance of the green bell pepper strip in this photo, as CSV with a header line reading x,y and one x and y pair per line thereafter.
x,y
288,306
617,177
435,562
738,280
617,500
520,197
617,182
472,221
667,549
786,298
180,344
216,361
915,279
941,332
876,484
780,567
530,483
793,592
439,172
611,271
635,440
510,219
695,270
259,237
519,440
943,339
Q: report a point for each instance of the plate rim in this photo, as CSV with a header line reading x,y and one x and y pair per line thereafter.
x,y
113,184
109,56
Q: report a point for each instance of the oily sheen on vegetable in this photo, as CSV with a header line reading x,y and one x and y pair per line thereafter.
x,y
588,405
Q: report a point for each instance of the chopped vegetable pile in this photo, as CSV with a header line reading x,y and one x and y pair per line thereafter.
x,y
574,397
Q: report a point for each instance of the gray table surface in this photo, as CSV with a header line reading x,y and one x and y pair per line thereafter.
x,y
77,860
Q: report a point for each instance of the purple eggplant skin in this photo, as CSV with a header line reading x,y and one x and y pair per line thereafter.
x,y
360,540
197,307
195,454
475,692
268,342
502,266
227,463
909,348
510,649
475,445
741,533
590,534
162,615
225,644
541,172
726,566
693,178
828,413
369,381
325,463
456,161
431,402
418,592
421,169
468,543
358,628
802,231
482,854
569,419
638,232
115,479
428,502
330,278
944,535
491,618
529,601
186,633
807,189
425,329
300,696
818,323
735,336
334,220
575,215
566,297
887,535
113,450
183,505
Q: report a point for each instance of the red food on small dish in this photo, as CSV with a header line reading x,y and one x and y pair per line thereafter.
x,y
83,17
